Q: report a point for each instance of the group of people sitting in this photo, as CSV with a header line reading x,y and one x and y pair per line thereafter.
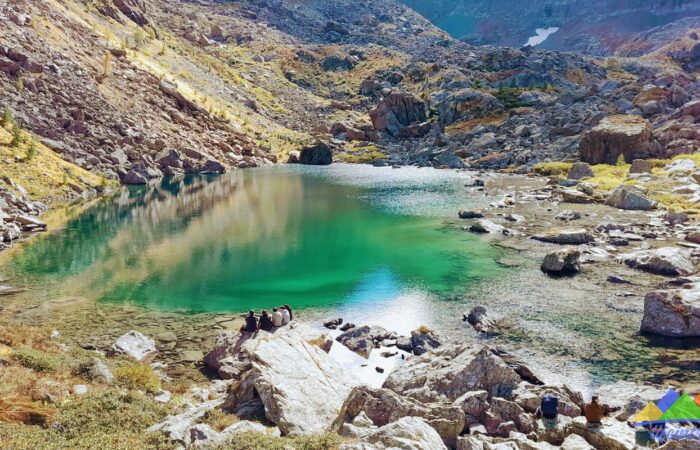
x,y
280,317
549,406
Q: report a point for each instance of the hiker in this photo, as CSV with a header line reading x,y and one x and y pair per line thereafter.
x,y
291,314
251,323
548,407
594,411
265,321
276,318
286,317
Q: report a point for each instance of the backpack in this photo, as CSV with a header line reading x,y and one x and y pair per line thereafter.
x,y
549,406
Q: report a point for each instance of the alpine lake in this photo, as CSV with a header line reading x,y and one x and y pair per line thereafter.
x,y
182,259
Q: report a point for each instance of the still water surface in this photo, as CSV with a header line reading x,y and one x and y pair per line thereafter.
x,y
253,239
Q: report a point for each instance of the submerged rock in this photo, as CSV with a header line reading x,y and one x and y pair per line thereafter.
x,y
471,214
362,340
485,226
568,215
135,345
485,322
565,237
662,261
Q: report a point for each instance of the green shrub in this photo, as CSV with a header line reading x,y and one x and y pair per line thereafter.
x,y
108,412
218,419
258,441
135,375
32,150
36,360
8,119
552,168
17,137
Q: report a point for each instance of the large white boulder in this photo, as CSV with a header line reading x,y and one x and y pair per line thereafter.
x,y
383,406
450,371
302,389
407,433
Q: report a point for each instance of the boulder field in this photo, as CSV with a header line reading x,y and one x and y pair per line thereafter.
x,y
457,396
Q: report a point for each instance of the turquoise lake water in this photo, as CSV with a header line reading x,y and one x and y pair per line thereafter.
x,y
305,236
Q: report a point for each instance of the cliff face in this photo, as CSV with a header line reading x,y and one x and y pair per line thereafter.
x,y
592,26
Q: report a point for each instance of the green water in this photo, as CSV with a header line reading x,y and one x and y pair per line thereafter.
x,y
259,238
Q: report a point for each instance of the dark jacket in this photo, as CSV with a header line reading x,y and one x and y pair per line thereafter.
x,y
251,324
265,322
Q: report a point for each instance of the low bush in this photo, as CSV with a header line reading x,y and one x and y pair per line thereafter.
x,y
552,168
135,375
258,441
218,419
36,360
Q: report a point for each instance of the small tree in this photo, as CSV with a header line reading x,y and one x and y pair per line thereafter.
x,y
107,64
31,152
140,38
8,119
621,160
16,136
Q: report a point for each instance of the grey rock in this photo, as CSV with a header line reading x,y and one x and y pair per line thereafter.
x,y
580,170
565,237
672,313
670,261
383,406
319,154
629,198
407,433
135,345
562,262
451,371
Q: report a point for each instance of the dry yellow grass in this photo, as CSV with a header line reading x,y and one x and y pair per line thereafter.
x,y
44,175
461,127
552,168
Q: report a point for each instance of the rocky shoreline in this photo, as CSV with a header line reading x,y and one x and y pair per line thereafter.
x,y
444,394
649,252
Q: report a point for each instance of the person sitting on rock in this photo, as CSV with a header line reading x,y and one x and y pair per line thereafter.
x,y
549,407
276,318
286,317
291,314
265,321
251,323
594,411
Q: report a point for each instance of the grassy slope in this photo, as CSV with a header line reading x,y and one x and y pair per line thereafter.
x,y
607,177
45,176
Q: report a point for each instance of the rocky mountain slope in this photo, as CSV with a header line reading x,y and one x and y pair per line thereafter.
x,y
595,27
133,90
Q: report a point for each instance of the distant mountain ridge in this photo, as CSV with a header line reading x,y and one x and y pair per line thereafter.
x,y
595,27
